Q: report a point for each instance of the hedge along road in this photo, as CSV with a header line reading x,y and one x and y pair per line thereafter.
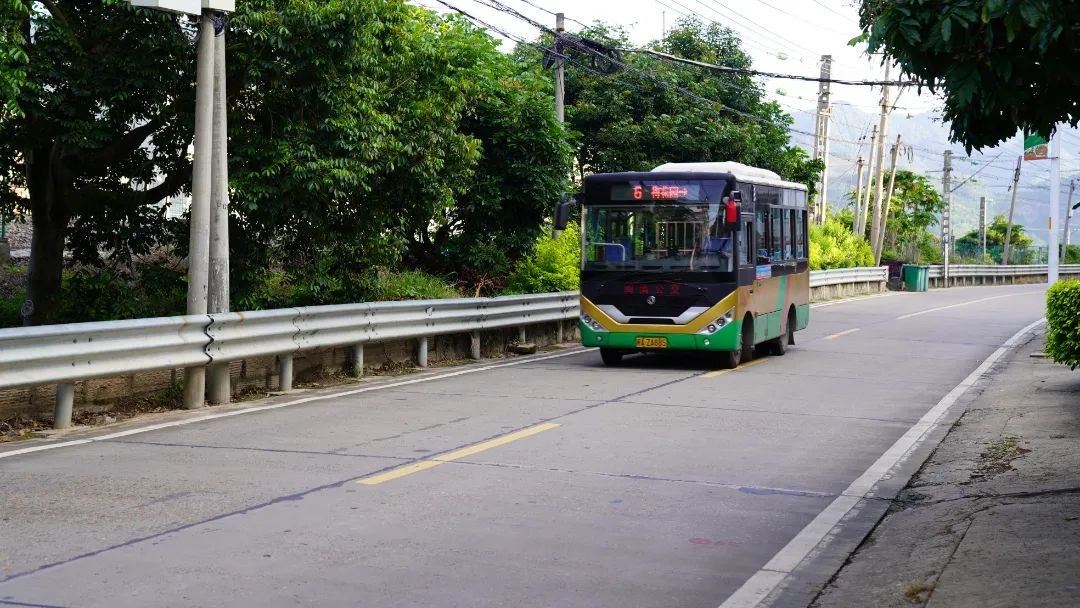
x,y
551,481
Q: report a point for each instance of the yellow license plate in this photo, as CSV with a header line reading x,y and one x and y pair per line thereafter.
x,y
651,342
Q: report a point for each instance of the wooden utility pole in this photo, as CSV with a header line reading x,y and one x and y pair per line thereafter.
x,y
946,216
864,206
821,136
858,197
880,168
1068,220
560,70
1012,208
982,225
879,245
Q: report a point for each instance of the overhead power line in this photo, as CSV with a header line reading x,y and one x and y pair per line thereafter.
x,y
750,72
551,12
574,42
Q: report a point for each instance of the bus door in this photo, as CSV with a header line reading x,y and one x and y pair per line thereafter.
x,y
765,290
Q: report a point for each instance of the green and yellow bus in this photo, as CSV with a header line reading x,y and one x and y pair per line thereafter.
x,y
710,257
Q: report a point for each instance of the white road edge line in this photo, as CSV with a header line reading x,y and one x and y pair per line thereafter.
x,y
855,299
263,408
758,587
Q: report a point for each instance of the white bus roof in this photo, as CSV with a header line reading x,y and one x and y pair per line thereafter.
x,y
743,173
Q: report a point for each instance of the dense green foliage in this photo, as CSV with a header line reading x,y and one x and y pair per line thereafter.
x,y
553,265
13,15
364,135
103,79
1063,323
834,245
913,210
1072,255
1019,248
1001,65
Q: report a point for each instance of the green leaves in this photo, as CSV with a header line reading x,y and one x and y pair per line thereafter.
x,y
1063,323
835,246
998,62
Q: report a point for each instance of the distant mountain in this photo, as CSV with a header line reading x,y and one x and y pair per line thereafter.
x,y
924,140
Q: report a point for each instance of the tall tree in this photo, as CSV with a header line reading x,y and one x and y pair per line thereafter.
x,y
1001,65
105,110
522,168
653,111
913,210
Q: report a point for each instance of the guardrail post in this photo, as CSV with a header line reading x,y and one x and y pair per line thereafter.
x,y
560,332
65,402
521,335
356,360
285,373
421,352
218,390
474,345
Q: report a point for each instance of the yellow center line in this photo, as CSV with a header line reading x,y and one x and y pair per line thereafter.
x,y
721,372
435,461
843,333
930,310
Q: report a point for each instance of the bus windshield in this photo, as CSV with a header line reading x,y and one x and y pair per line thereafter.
x,y
657,237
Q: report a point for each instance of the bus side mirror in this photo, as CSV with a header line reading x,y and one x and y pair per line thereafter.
x,y
732,210
562,211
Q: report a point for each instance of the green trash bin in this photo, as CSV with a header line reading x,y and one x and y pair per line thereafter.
x,y
916,278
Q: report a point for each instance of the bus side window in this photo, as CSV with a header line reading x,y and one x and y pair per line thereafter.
x,y
762,237
789,234
777,234
800,233
747,245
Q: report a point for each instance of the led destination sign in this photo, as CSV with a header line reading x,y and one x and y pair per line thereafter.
x,y
655,191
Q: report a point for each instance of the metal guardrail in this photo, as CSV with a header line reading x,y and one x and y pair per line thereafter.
x,y
66,353
841,276
991,270
63,354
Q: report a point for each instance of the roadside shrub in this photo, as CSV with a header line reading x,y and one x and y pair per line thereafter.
x,y
105,295
11,310
553,266
409,285
1063,323
1072,255
835,246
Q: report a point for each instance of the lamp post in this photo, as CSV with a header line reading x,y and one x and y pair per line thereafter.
x,y
200,281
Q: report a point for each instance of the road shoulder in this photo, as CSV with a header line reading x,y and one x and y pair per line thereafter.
x,y
993,517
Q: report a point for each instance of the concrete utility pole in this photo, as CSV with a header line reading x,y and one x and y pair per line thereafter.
x,y
864,206
858,196
218,389
883,130
1012,208
560,71
199,244
1066,237
946,215
1055,208
982,225
821,136
880,244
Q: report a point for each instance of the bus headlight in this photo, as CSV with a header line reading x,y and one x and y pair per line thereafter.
x,y
591,323
719,323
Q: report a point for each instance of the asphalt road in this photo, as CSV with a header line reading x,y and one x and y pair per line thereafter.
x,y
551,481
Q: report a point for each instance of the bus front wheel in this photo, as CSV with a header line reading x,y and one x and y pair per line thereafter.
x,y
611,356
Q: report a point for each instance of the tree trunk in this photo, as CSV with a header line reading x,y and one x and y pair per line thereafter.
x,y
50,213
